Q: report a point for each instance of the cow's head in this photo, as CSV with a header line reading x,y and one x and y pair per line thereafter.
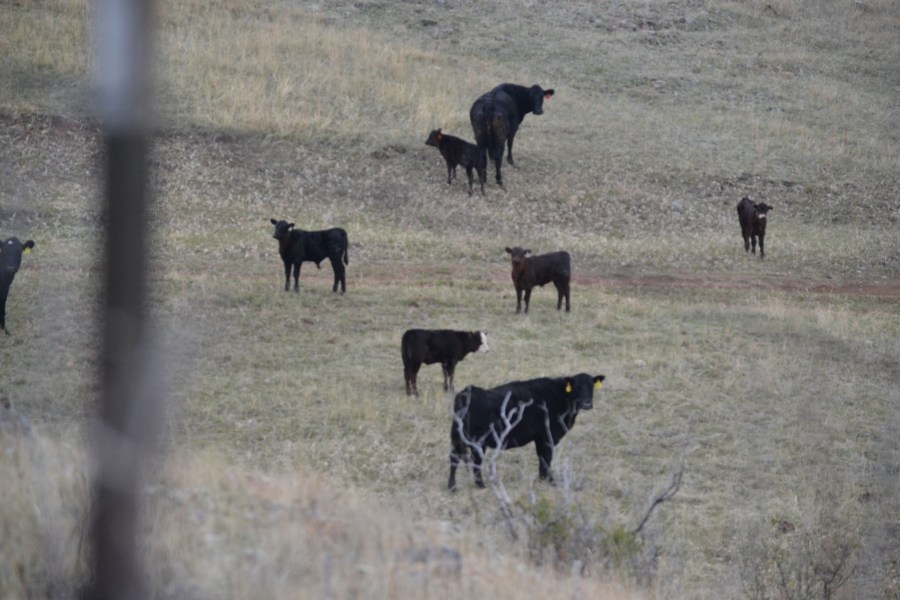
x,y
281,229
580,389
517,256
761,209
434,137
482,341
538,95
11,251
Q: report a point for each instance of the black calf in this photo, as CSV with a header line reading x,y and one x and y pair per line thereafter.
x,y
752,217
297,246
457,151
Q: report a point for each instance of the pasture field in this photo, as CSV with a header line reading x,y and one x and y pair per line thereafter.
x,y
293,465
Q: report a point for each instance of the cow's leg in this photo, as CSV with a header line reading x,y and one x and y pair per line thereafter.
x,y
457,452
4,293
762,236
339,273
454,461
413,377
752,243
545,457
451,170
448,367
297,277
746,234
476,468
562,291
287,276
409,376
509,156
471,179
481,169
518,300
498,162
527,299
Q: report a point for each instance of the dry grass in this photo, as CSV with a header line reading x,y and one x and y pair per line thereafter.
x,y
288,426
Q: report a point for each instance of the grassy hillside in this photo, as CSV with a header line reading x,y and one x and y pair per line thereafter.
x,y
293,463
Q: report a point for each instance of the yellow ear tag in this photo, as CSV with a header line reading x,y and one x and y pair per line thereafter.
x,y
598,385
27,250
568,388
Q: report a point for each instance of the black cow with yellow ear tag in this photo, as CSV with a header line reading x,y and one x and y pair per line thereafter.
x,y
11,251
515,414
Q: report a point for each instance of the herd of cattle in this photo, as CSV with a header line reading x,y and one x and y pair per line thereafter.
x,y
515,414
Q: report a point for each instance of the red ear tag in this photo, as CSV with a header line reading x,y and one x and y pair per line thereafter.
x,y
440,136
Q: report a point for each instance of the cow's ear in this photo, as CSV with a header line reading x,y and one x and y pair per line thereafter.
x,y
28,246
548,93
290,225
274,222
568,385
598,381
440,135
508,250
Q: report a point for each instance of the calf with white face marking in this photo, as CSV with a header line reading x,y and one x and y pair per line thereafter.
x,y
11,251
529,271
752,217
297,246
539,410
429,346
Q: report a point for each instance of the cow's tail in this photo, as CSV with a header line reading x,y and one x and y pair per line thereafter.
x,y
481,117
346,250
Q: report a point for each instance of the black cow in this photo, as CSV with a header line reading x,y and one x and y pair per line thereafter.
x,y
11,251
529,271
752,217
457,151
546,407
496,117
443,346
297,246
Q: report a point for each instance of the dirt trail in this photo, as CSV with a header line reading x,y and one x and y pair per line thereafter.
x,y
885,288
882,288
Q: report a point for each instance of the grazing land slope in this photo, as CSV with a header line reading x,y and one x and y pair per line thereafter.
x,y
292,463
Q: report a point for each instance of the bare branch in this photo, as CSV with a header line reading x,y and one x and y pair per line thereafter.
x,y
510,420
665,496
